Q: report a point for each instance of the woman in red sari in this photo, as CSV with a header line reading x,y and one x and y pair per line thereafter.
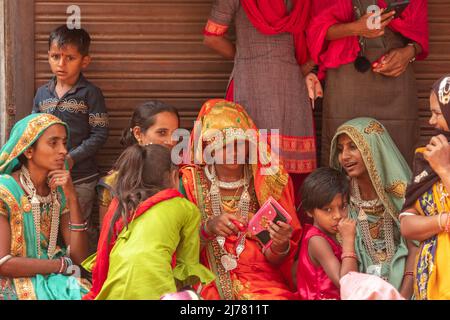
x,y
228,195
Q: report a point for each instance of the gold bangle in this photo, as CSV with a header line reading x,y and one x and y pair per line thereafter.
x,y
281,253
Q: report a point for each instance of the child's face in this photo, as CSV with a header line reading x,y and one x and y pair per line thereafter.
x,y
349,157
328,217
437,119
66,62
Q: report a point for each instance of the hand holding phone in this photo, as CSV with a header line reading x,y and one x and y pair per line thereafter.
x,y
398,7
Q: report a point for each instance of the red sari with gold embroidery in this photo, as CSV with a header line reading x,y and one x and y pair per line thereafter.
x,y
254,277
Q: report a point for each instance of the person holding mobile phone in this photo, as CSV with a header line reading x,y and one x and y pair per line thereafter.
x,y
229,190
365,55
38,202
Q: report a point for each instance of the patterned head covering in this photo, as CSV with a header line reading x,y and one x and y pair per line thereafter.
x,y
221,122
424,175
23,135
387,168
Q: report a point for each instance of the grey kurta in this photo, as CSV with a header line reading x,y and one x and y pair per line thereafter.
x,y
268,82
393,101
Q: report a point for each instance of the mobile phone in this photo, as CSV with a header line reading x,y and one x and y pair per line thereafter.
x,y
399,7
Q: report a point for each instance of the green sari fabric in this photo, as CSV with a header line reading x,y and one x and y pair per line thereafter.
x,y
17,210
389,174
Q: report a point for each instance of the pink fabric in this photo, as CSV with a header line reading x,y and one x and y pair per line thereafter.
x,y
312,282
361,286
412,24
272,17
181,295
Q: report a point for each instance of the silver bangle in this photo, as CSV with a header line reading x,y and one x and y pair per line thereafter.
x,y
5,259
415,52
281,253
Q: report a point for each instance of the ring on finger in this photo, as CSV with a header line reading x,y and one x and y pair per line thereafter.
x,y
229,224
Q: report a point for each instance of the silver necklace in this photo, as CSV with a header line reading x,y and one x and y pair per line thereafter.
x,y
223,184
49,203
388,225
229,260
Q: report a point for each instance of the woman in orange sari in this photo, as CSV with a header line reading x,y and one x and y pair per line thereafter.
x,y
228,196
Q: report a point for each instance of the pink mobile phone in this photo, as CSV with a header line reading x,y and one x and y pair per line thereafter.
x,y
258,226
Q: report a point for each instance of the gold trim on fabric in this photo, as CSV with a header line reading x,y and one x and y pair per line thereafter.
x,y
34,127
223,280
369,161
374,127
98,120
24,286
24,289
71,105
4,156
397,188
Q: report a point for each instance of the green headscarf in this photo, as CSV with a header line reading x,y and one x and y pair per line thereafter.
x,y
24,133
389,174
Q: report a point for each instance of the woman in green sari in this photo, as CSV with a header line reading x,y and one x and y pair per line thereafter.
x,y
379,174
38,201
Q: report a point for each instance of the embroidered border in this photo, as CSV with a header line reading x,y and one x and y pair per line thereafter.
x,y
397,188
71,105
374,127
34,127
24,286
98,120
214,29
223,281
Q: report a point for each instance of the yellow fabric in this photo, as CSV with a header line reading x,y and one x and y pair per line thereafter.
x,y
439,280
105,187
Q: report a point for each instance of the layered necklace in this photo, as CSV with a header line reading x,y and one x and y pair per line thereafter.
x,y
48,204
388,226
229,260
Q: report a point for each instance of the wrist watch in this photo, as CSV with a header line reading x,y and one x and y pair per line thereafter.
x,y
415,51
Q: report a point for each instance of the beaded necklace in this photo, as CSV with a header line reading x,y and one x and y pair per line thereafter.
x,y
49,203
363,222
229,260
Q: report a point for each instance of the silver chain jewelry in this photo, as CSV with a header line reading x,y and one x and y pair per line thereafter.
x,y
229,260
388,225
50,203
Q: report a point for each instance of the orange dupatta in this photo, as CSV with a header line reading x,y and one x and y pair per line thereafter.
x,y
229,118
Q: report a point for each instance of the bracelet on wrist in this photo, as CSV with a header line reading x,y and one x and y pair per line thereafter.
x,y
78,227
447,224
204,233
278,253
351,255
408,273
415,52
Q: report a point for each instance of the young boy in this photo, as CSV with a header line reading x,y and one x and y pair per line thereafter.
x,y
322,260
76,101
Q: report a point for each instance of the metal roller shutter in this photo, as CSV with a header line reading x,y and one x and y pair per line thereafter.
x,y
141,50
152,49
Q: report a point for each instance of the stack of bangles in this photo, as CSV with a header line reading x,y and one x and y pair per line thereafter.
x,y
78,227
349,255
408,273
66,263
204,235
